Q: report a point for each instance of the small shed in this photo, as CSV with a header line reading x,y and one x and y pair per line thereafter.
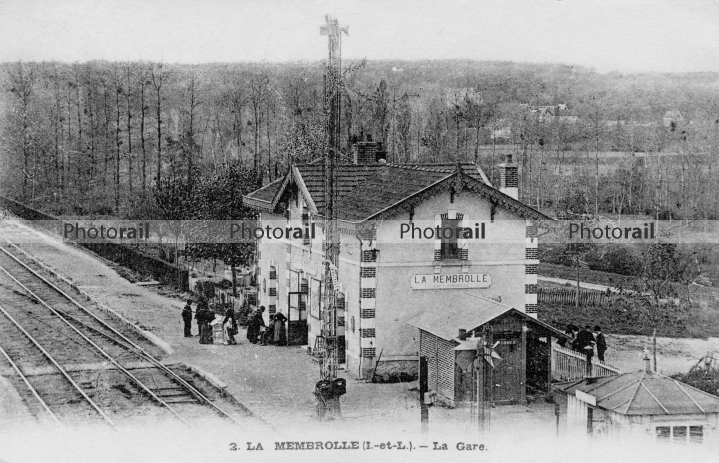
x,y
641,403
449,339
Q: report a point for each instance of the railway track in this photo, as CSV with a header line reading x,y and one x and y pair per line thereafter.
x,y
47,331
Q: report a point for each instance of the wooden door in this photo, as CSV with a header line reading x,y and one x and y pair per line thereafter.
x,y
464,377
507,378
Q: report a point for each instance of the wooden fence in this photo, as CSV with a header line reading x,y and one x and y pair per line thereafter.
x,y
122,254
569,365
567,296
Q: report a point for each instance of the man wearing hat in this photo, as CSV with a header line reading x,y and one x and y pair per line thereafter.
x,y
187,318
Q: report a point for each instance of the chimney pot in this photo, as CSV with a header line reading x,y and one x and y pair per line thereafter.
x,y
462,334
647,362
508,177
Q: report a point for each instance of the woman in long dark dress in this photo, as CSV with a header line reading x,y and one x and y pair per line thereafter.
x,y
206,317
280,335
254,324
268,336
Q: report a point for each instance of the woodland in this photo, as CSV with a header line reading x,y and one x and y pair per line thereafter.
x,y
174,141
103,138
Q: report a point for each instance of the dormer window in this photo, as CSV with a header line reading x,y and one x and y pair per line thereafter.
x,y
450,245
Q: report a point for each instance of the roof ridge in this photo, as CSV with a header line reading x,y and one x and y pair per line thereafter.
x,y
488,299
688,395
711,396
631,399
654,397
621,404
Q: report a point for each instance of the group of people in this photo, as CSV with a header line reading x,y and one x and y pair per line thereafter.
x,y
274,333
585,340
204,317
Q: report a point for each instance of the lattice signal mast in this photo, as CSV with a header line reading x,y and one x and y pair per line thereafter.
x,y
332,110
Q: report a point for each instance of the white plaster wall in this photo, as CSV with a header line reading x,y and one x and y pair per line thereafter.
x,y
501,255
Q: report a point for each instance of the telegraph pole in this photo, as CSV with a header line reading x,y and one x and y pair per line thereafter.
x,y
329,388
423,389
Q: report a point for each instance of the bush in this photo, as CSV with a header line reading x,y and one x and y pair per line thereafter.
x,y
707,381
205,288
618,259
243,314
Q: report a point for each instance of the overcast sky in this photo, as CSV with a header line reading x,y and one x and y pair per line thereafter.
x,y
624,35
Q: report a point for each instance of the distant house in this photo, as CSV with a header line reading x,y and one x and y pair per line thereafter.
x,y
456,97
672,119
615,123
642,403
558,113
501,134
562,114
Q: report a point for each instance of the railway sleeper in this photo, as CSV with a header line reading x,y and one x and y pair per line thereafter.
x,y
185,399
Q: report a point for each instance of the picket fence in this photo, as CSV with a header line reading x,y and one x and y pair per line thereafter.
x,y
569,365
567,296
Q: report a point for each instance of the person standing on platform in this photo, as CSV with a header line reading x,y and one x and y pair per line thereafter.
x,y
187,318
204,317
253,326
280,335
198,317
570,336
585,342
229,324
267,337
601,343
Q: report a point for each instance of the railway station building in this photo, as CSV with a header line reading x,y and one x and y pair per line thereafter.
x,y
389,272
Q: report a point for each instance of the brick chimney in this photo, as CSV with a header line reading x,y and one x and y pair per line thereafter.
x,y
367,151
647,362
508,178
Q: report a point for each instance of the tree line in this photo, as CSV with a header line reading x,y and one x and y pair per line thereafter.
x,y
96,138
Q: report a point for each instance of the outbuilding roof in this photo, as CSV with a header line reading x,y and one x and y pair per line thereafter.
x,y
469,311
644,393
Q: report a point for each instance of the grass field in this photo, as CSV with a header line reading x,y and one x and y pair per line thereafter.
x,y
699,321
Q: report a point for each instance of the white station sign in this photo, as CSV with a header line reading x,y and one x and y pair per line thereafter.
x,y
451,281
306,265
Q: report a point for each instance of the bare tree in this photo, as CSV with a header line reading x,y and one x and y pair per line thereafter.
x,y
159,75
258,91
129,80
118,87
663,270
22,80
193,96
143,79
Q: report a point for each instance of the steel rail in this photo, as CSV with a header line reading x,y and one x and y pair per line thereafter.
x,y
98,348
30,386
197,394
59,367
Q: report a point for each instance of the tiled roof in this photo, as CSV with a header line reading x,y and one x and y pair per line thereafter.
x,y
467,311
267,192
645,393
366,190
